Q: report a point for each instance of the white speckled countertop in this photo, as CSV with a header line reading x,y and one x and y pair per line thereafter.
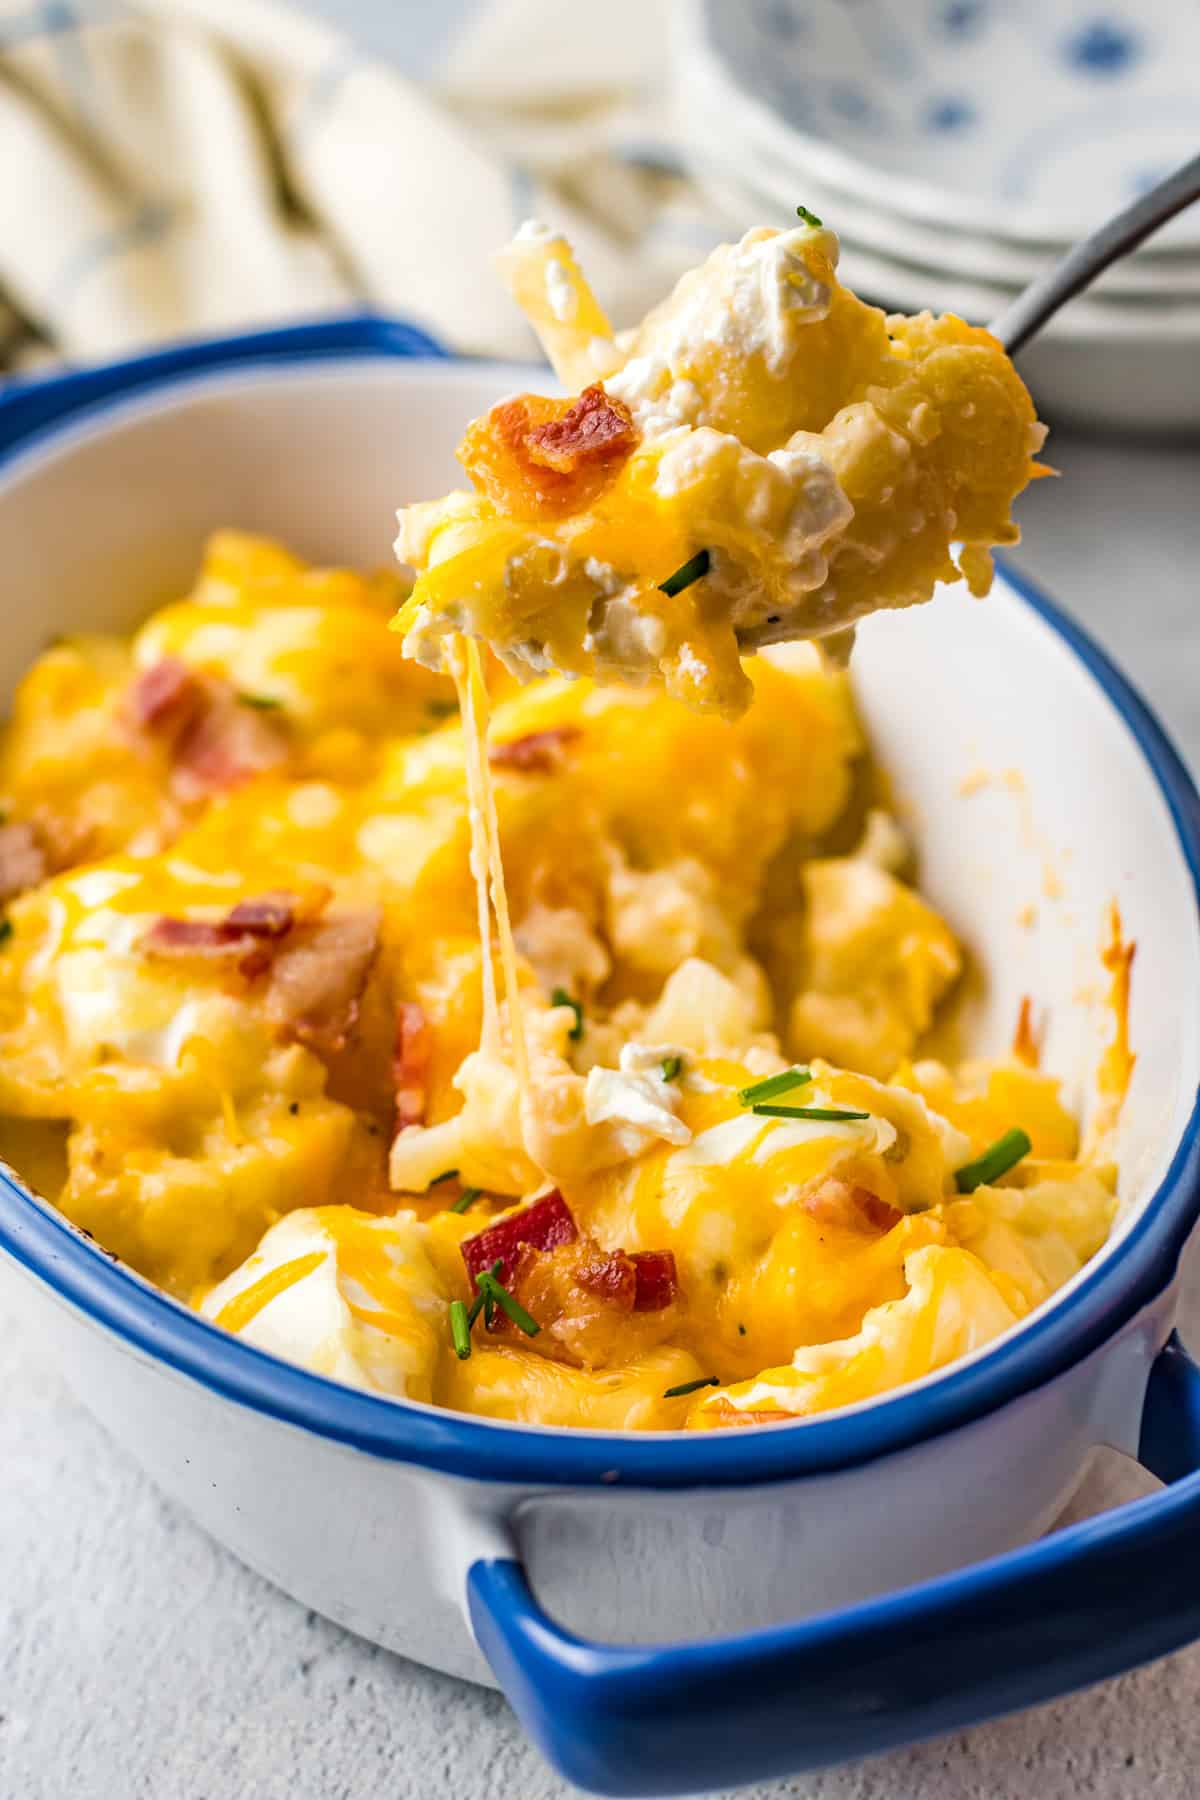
x,y
140,1662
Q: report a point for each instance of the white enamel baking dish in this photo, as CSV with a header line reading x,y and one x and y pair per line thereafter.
x,y
674,1613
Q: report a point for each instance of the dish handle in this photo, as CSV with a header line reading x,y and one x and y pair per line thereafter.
x,y
1086,1603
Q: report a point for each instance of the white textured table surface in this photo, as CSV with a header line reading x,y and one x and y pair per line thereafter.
x,y
140,1662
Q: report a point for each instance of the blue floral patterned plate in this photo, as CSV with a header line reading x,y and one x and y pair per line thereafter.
x,y
1026,119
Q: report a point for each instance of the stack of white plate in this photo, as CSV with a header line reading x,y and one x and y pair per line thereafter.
x,y
958,147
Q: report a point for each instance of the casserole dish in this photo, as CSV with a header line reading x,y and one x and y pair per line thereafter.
x,y
674,1612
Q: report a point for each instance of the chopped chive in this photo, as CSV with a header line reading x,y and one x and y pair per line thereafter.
x,y
467,1198
689,1387
741,1329
808,1112
686,573
441,709
807,218
264,702
496,1290
460,1330
996,1160
560,997
482,1302
446,1175
774,1085
671,1067
6,930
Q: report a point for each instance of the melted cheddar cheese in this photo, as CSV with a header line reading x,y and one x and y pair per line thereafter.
x,y
259,1035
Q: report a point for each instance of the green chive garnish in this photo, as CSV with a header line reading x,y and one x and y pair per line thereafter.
x,y
496,1291
560,997
467,1198
689,1387
441,709
460,1330
807,218
6,930
446,1175
671,1067
264,702
834,1113
482,1298
690,571
996,1160
774,1085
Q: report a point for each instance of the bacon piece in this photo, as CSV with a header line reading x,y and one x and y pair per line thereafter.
x,y
245,936
656,1278
228,743
536,456
594,429
410,1064
214,740
22,860
609,1274
208,938
318,975
166,697
544,1225
270,916
585,1299
537,753
850,1206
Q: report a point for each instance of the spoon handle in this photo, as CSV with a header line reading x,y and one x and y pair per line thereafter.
x,y
1081,265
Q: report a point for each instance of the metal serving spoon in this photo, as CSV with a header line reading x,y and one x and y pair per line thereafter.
x,y
1093,254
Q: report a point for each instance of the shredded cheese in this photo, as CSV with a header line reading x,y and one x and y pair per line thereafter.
x,y
487,863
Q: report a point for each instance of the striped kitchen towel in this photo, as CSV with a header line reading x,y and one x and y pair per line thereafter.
x,y
176,168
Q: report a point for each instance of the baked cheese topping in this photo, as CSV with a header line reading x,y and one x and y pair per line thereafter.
x,y
282,1028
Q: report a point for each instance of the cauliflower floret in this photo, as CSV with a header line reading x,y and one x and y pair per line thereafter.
x,y
954,1305
874,960
354,1297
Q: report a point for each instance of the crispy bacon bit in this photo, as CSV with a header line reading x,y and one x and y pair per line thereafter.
x,y
593,429
544,1225
22,860
585,1301
245,937
214,741
533,455
537,753
850,1206
166,697
270,916
228,743
319,973
207,938
410,1064
318,967
609,1274
1027,1041
657,1279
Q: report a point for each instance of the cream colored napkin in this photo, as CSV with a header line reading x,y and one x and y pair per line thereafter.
x,y
176,168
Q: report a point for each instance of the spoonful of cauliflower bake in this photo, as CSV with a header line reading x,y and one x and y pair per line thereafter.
x,y
765,457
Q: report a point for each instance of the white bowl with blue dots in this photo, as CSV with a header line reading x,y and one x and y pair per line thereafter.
x,y
1026,120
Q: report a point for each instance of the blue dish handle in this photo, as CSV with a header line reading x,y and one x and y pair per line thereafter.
x,y
27,407
1084,1604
